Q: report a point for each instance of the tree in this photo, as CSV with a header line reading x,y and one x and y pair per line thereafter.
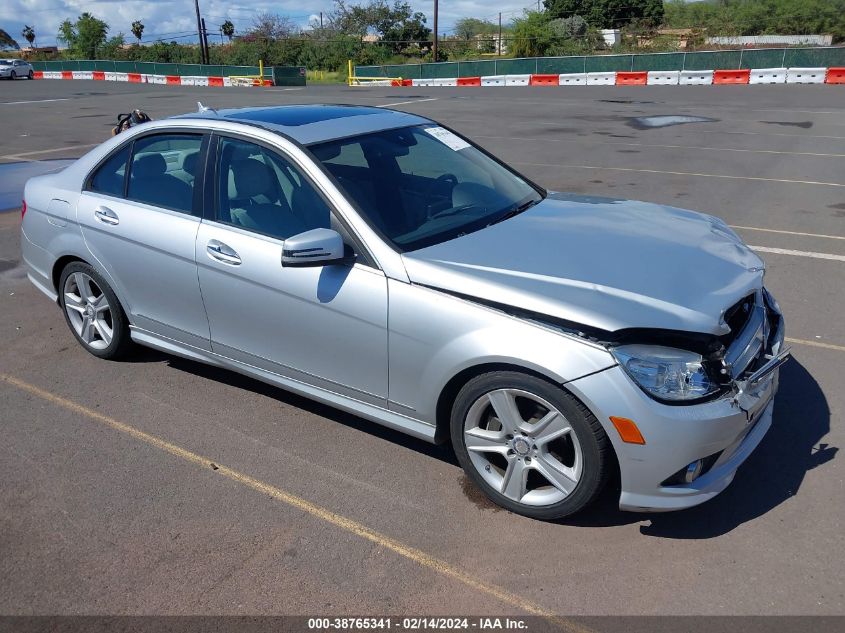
x,y
271,26
397,24
137,30
228,29
28,34
608,14
84,36
468,28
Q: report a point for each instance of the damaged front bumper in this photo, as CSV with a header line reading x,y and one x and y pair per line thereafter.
x,y
716,436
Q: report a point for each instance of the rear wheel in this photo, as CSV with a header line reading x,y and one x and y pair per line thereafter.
x,y
93,312
13,75
529,445
30,75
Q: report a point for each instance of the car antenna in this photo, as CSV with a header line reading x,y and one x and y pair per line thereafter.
x,y
201,108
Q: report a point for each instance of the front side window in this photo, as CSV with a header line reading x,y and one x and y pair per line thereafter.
x,y
423,185
110,176
259,190
163,170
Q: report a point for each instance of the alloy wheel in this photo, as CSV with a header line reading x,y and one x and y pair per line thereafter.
x,y
88,311
523,447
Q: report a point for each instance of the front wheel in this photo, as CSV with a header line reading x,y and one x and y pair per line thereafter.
x,y
529,445
31,75
93,312
13,75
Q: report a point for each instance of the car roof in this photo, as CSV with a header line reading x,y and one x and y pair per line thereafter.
x,y
315,123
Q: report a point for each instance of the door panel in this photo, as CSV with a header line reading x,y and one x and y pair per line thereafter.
x,y
326,325
149,255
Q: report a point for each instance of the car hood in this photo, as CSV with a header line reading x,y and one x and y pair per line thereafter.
x,y
602,263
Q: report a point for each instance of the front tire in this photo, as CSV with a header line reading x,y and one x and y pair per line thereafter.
x,y
93,313
529,445
31,75
13,75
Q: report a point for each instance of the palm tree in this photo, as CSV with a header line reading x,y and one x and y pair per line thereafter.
x,y
137,30
29,34
228,29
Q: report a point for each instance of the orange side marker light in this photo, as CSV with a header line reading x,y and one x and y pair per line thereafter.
x,y
627,430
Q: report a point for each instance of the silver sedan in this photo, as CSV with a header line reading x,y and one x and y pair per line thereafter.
x,y
16,69
384,264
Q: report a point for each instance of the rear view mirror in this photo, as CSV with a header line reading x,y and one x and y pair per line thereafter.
x,y
313,248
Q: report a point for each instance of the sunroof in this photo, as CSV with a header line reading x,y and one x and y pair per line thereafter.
x,y
301,115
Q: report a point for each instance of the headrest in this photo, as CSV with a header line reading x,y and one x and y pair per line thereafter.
x,y
149,166
189,163
252,178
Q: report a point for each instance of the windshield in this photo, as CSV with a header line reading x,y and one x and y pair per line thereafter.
x,y
424,185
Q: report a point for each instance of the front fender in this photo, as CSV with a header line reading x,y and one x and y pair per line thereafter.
x,y
435,336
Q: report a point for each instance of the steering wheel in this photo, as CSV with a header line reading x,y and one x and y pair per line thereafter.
x,y
439,182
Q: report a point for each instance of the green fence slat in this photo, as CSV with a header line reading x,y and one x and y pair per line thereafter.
x,y
560,65
522,66
608,63
476,68
658,61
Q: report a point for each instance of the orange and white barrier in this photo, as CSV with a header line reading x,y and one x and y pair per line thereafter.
x,y
806,75
571,79
663,77
601,79
632,79
636,78
768,76
173,80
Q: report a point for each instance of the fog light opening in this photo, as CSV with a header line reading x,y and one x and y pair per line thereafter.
x,y
693,471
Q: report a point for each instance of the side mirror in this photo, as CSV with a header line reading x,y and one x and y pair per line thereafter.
x,y
313,248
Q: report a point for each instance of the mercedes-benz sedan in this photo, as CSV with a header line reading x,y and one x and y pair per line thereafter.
x,y
384,264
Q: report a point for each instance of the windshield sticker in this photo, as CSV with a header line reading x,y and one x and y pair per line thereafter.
x,y
445,136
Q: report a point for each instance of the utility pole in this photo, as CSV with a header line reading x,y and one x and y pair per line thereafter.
x,y
199,30
321,22
434,50
205,43
499,43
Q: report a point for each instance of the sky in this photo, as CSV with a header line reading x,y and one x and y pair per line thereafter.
x,y
162,20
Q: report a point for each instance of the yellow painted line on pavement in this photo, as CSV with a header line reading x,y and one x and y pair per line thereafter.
x,y
350,525
801,341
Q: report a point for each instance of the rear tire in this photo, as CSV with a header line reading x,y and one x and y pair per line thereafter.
x,y
13,75
530,446
31,75
93,313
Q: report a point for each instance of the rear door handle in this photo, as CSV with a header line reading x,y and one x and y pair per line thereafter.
x,y
222,253
106,216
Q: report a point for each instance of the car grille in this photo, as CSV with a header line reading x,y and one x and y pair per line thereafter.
x,y
756,330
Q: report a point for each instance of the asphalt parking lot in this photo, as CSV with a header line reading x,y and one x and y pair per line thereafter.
x,y
316,512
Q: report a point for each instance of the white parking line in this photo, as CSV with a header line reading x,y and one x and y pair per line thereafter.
x,y
388,105
38,101
714,149
788,251
688,173
754,228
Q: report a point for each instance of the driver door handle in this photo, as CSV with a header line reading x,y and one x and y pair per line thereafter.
x,y
223,253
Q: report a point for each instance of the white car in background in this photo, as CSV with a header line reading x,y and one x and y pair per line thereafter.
x,y
15,69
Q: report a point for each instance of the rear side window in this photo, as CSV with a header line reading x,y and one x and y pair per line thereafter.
x,y
109,177
164,169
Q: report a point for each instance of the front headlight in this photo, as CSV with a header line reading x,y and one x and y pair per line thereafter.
x,y
665,372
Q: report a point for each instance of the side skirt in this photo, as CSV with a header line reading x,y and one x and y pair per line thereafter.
x,y
390,419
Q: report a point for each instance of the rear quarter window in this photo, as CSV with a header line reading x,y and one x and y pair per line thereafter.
x,y
109,177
